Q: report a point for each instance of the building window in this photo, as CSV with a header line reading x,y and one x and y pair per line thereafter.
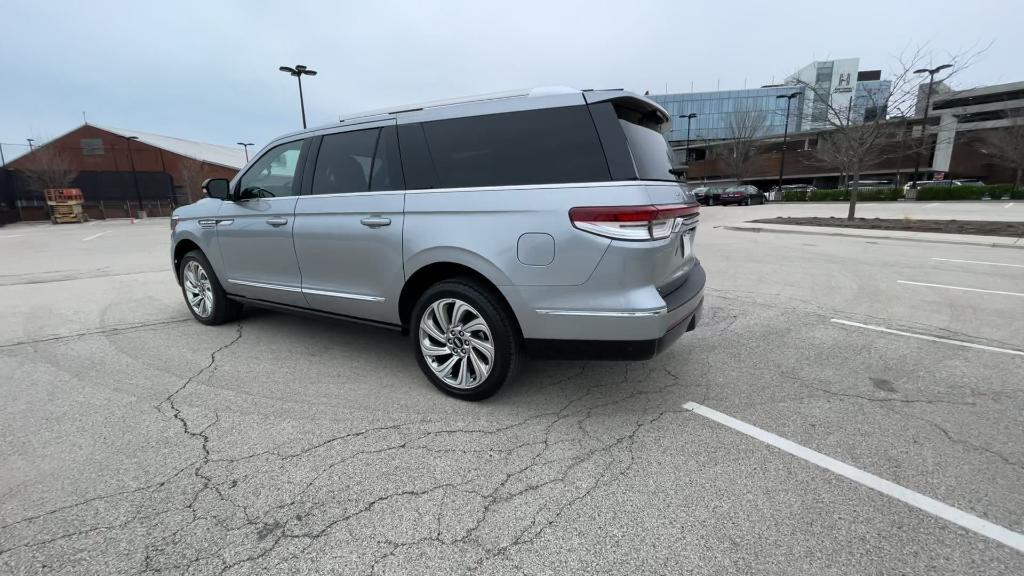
x,y
91,146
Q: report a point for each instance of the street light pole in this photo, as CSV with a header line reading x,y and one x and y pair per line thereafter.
x,y
931,72
785,136
245,146
299,71
139,212
30,141
688,117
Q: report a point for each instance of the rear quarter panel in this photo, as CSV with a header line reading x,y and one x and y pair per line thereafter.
x,y
483,225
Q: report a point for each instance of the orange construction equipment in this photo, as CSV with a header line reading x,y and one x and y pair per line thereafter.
x,y
65,205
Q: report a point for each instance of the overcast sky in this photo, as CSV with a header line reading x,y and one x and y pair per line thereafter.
x,y
208,70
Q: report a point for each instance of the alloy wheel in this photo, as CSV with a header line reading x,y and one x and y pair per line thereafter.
x,y
198,290
456,343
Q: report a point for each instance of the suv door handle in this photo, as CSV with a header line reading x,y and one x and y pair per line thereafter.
x,y
279,221
375,221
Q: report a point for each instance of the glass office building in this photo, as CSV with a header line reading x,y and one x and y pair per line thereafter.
x,y
839,83
716,110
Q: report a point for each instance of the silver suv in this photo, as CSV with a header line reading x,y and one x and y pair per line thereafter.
x,y
545,223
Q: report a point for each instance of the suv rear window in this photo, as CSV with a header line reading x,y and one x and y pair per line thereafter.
x,y
651,154
545,146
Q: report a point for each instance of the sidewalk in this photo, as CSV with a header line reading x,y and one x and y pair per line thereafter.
x,y
933,237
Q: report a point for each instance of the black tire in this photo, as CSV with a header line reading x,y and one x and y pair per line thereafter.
x,y
223,309
746,202
504,337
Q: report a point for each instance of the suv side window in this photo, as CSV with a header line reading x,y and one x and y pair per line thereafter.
x,y
546,146
360,161
273,175
344,162
387,165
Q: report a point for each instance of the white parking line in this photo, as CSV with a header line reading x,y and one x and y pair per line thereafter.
x,y
930,205
926,337
971,522
1008,205
977,262
960,288
13,236
94,236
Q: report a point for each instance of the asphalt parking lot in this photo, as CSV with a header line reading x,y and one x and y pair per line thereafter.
x,y
137,440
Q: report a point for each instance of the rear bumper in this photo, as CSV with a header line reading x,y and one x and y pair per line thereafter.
x,y
684,307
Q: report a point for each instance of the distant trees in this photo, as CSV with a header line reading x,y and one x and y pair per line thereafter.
x,y
190,173
49,167
853,138
742,133
1006,146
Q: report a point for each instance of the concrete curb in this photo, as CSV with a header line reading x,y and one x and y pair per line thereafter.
x,y
933,238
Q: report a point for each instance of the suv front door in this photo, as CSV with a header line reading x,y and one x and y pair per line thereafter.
x,y
254,228
348,228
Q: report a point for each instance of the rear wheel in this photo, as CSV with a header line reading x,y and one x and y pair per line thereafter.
x,y
203,293
465,339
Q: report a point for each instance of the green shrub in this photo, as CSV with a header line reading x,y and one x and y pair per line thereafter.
x,y
843,195
963,192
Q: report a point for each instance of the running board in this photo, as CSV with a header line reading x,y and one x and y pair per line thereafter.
x,y
310,312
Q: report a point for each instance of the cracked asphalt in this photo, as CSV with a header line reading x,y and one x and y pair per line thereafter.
x,y
135,440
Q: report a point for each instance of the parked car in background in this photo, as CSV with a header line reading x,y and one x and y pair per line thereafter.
x,y
871,184
796,188
744,195
941,184
707,195
548,222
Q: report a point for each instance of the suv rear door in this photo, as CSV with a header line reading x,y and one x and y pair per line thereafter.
x,y
348,223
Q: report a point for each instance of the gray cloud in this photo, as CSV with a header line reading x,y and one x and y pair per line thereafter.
x,y
208,70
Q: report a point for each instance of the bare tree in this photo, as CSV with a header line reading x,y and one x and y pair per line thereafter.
x,y
742,133
50,167
1006,146
190,172
859,130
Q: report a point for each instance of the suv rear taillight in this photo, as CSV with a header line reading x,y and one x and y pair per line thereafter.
x,y
652,222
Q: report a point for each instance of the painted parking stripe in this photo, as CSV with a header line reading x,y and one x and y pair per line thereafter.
x,y
95,236
926,337
12,236
977,262
1008,205
960,288
930,205
963,519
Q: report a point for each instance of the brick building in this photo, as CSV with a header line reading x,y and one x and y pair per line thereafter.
x,y
116,169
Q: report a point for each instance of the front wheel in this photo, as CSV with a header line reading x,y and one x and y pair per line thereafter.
x,y
465,339
203,293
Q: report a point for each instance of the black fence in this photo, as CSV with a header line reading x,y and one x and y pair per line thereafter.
x,y
107,194
8,198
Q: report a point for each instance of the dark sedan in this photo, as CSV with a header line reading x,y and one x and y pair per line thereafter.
x,y
743,195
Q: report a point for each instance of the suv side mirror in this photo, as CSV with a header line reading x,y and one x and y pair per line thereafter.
x,y
216,188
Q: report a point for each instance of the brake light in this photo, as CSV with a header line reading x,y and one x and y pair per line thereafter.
x,y
174,222
649,222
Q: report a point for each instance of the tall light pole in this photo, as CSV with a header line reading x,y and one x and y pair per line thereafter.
x,y
931,72
299,71
688,117
30,141
135,175
245,146
785,135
